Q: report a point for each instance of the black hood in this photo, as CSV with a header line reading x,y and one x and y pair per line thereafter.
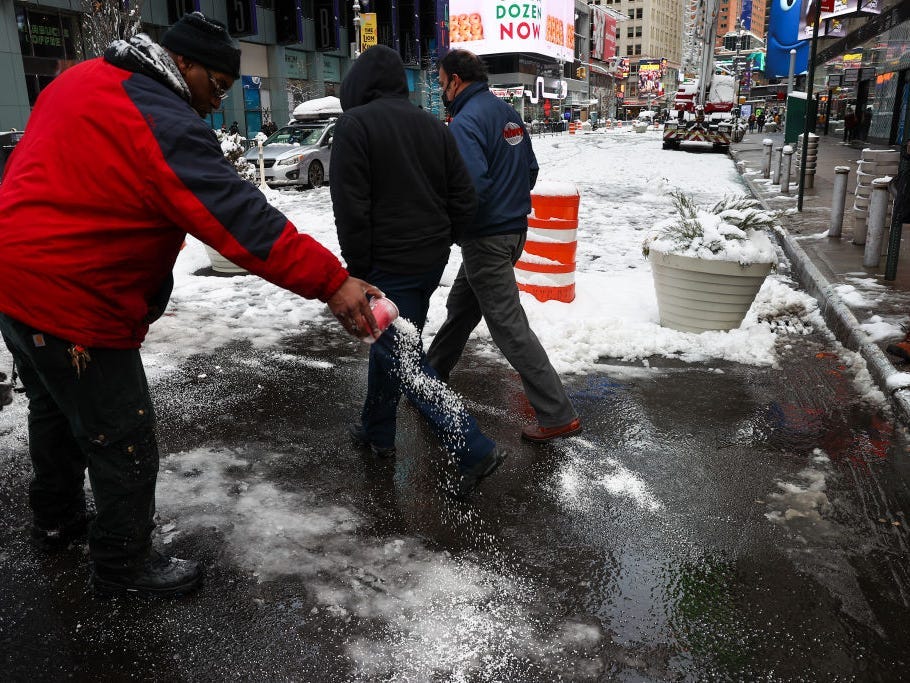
x,y
378,72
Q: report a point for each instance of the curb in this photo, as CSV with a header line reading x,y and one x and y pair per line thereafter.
x,y
838,316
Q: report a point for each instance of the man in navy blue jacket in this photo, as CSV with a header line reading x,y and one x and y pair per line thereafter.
x,y
497,152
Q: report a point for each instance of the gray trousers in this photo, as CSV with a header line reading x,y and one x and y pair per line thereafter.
x,y
485,287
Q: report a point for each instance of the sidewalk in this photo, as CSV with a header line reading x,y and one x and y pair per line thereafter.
x,y
822,264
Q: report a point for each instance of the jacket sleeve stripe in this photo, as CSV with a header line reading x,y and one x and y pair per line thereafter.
x,y
193,154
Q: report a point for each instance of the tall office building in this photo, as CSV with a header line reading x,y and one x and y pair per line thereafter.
x,y
752,12
652,41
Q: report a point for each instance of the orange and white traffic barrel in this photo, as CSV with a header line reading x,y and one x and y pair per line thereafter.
x,y
546,268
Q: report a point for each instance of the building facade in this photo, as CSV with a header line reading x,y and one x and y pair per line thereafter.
x,y
292,50
652,40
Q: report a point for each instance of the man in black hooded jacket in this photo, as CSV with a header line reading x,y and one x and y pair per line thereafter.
x,y
402,196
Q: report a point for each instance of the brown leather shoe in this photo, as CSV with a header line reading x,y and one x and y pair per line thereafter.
x,y
541,434
901,350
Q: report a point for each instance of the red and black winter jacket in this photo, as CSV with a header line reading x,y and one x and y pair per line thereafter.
x,y
113,170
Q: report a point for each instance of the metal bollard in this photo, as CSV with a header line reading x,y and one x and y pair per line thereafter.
x,y
775,176
841,173
766,158
787,153
875,226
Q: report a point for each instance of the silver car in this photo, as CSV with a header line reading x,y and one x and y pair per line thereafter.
x,y
296,155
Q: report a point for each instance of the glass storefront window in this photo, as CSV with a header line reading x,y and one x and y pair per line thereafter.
x,y
47,40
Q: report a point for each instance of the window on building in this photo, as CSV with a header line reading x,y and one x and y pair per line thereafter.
x,y
47,39
629,50
639,13
638,49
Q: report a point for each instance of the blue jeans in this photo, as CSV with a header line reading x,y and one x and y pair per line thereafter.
x,y
456,429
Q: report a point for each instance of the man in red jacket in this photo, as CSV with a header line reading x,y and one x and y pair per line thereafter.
x,y
92,217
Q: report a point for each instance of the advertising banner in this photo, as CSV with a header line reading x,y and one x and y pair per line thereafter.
x,y
367,30
745,16
543,27
831,26
506,93
609,49
603,45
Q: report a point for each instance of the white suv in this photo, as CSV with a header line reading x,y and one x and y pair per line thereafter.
x,y
296,155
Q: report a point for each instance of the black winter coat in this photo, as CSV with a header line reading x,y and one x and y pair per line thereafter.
x,y
400,190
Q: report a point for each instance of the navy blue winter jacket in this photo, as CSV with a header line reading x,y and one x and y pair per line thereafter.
x,y
496,148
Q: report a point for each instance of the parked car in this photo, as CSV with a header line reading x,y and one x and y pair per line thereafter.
x,y
8,140
296,155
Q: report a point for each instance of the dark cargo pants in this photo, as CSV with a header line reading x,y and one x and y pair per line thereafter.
x,y
485,288
100,418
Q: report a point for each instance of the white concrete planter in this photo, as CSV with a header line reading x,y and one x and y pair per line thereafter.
x,y
221,264
639,126
696,295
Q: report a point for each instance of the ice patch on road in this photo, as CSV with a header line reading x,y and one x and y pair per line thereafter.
x,y
802,505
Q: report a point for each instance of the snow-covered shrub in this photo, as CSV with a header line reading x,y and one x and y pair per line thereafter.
x,y
734,229
233,149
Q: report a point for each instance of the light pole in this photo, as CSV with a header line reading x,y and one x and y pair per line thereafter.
x,y
809,123
562,119
738,69
356,50
792,69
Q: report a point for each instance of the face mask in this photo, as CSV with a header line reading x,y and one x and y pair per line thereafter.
x,y
445,98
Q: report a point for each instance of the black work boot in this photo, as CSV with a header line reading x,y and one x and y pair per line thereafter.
x,y
58,536
156,576
360,438
467,479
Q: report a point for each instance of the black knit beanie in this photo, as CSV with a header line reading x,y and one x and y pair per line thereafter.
x,y
204,40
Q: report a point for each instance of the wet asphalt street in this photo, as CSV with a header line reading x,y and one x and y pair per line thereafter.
x,y
712,522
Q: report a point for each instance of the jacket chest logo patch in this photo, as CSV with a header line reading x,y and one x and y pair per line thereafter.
x,y
513,133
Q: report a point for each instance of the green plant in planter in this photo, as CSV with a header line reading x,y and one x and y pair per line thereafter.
x,y
694,228
709,263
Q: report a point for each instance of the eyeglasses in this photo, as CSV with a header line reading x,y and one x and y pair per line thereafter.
x,y
220,91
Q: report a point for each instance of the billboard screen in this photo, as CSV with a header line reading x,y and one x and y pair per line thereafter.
x,y
831,22
543,27
650,72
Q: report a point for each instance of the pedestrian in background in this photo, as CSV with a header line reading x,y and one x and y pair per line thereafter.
x,y
401,195
497,151
86,268
849,125
760,121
